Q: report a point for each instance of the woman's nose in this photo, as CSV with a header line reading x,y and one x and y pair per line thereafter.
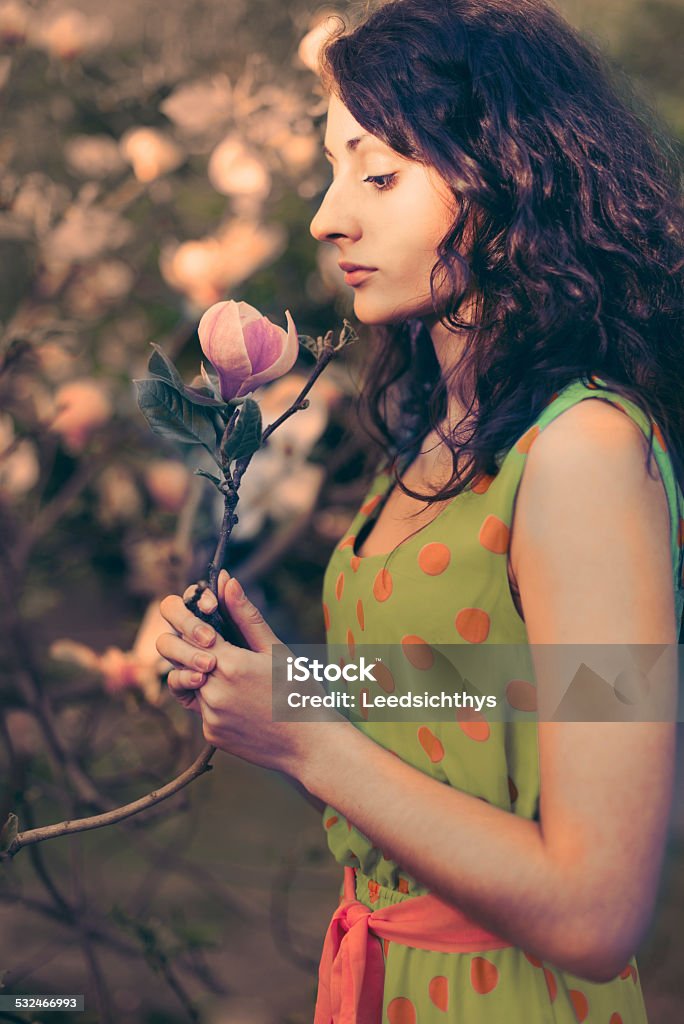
x,y
334,219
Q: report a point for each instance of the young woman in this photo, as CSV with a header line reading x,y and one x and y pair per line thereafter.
x,y
512,233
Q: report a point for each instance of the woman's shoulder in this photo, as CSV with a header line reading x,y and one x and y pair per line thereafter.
x,y
596,426
590,514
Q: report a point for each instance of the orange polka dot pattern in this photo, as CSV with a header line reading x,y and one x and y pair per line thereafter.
x,y
447,584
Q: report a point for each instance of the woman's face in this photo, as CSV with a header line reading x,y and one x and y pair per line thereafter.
x,y
383,212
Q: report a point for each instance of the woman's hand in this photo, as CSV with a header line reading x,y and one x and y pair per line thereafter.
x,y
232,688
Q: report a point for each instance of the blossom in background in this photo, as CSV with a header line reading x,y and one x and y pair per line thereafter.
x,y
19,466
155,564
168,483
200,106
85,231
68,34
98,286
14,23
205,269
119,500
39,201
82,407
245,348
140,668
56,361
234,170
300,432
281,484
93,156
150,152
310,46
298,151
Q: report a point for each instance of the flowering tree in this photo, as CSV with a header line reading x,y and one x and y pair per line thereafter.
x,y
149,171
152,179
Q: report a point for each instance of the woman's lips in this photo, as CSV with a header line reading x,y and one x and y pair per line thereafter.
x,y
355,277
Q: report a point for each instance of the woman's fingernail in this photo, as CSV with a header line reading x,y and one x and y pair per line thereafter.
x,y
196,677
236,589
223,577
207,601
205,662
205,634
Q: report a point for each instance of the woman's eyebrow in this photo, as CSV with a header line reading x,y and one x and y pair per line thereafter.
x,y
350,144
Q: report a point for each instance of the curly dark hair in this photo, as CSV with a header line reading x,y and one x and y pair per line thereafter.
x,y
569,199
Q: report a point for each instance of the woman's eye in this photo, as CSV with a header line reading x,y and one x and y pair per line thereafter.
x,y
383,182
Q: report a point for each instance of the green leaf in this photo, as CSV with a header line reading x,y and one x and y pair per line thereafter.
x,y
211,379
172,416
203,396
9,832
161,366
245,437
209,476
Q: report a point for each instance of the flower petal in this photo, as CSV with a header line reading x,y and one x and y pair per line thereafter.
x,y
264,342
284,362
222,341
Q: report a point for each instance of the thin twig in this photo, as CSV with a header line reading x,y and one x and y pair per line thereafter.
x,y
63,828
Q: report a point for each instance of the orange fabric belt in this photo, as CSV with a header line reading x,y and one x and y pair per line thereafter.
x,y
352,970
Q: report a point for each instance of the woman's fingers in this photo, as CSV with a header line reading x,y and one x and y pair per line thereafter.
x,y
183,683
180,618
223,580
175,649
207,602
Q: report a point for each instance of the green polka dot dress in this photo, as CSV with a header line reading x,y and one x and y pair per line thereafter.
x,y
448,584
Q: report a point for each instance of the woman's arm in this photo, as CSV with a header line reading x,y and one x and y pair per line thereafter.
x,y
577,889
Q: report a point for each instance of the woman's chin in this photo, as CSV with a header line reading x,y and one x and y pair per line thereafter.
x,y
376,314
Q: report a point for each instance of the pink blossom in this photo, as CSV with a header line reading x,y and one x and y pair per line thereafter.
x,y
245,348
168,482
82,408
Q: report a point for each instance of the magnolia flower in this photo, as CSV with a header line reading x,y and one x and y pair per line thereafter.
x,y
14,23
299,152
235,171
168,482
140,668
93,156
279,485
206,268
56,361
201,106
69,33
298,492
151,152
39,201
245,348
312,43
299,433
82,407
97,286
85,231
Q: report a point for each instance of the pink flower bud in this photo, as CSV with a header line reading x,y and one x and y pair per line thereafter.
x,y
245,348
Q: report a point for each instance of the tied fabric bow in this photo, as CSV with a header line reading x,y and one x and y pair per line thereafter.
x,y
352,970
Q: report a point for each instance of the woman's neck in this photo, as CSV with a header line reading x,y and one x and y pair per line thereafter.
x,y
449,345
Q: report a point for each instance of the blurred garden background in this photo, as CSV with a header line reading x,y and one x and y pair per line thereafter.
x,y
157,157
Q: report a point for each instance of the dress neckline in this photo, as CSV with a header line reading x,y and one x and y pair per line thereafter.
x,y
370,518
